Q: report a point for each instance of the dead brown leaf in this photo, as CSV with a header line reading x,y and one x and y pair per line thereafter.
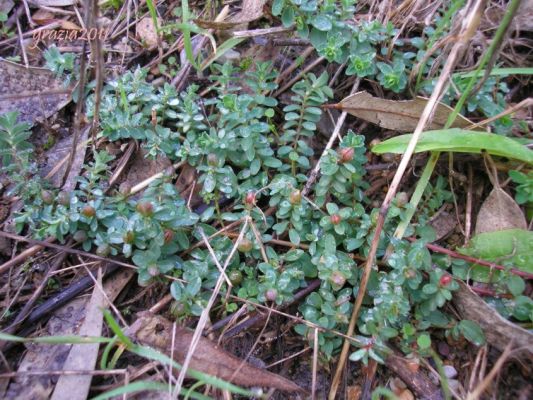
x,y
156,331
250,11
398,115
498,331
57,159
143,167
42,17
498,212
34,92
147,32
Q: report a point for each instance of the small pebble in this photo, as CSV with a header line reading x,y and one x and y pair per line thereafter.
x,y
444,349
230,55
450,371
455,385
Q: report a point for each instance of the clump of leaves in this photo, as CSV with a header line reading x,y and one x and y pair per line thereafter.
x,y
524,186
245,163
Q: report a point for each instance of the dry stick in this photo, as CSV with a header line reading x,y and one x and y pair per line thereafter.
x,y
336,130
79,108
526,103
491,375
469,28
315,364
22,48
35,296
140,186
122,164
260,32
468,211
298,77
23,256
96,49
294,65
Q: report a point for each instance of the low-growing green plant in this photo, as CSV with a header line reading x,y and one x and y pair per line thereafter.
x,y
524,186
245,163
61,64
369,52
4,30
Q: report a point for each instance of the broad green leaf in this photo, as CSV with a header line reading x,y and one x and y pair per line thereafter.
x,y
513,245
424,341
459,140
472,332
322,23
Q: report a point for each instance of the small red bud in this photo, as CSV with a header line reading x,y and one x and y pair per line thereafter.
x,y
271,294
335,219
346,154
235,277
88,211
245,245
445,280
337,279
63,198
295,197
169,235
145,208
47,197
249,199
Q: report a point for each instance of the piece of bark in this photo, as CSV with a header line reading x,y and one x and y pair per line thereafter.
x,y
156,331
416,381
83,356
498,331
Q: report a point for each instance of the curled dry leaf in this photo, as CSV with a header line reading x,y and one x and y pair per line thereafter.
x,y
34,92
498,331
398,115
156,331
250,11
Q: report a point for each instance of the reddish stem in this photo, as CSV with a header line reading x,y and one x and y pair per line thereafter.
x,y
488,264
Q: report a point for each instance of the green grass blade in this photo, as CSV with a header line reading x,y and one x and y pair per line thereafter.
x,y
459,140
116,329
155,355
67,339
143,386
227,45
495,72
153,14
